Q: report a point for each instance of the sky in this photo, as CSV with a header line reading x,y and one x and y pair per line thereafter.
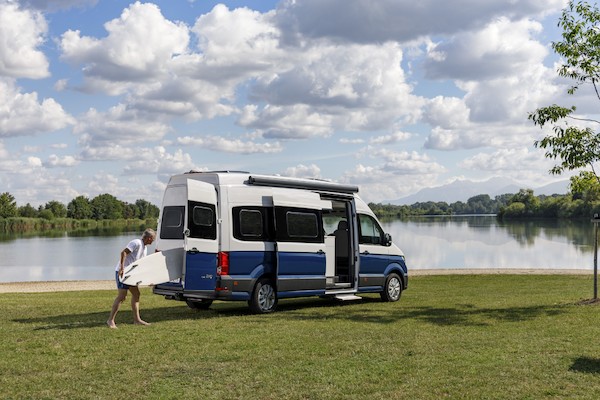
x,y
391,95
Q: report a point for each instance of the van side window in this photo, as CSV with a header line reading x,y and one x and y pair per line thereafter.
x,y
171,226
369,230
252,223
202,220
299,225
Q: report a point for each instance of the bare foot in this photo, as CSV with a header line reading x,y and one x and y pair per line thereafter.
x,y
111,324
141,322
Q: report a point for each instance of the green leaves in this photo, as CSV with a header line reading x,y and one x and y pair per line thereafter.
x,y
575,147
580,47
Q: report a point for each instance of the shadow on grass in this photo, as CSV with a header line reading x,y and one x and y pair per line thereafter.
x,y
464,314
369,310
125,317
586,364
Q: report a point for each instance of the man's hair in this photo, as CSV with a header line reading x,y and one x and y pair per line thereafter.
x,y
149,233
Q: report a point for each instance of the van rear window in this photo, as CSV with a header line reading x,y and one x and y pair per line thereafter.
x,y
171,226
202,221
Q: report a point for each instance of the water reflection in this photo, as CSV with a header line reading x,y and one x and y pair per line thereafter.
x,y
62,257
82,232
429,243
485,242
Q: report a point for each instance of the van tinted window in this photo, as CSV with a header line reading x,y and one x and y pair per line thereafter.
x,y
202,221
253,223
302,225
298,225
369,229
171,226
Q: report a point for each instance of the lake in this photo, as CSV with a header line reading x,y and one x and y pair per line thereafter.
x,y
428,243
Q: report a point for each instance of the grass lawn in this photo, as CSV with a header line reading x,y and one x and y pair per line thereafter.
x,y
467,337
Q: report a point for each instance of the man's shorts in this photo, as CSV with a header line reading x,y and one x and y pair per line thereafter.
x,y
120,285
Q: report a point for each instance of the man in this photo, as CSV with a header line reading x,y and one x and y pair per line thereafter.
x,y
135,250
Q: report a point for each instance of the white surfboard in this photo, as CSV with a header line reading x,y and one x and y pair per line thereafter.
x,y
160,267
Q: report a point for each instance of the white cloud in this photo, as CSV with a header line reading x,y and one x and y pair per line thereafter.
x,y
54,5
28,180
501,49
523,165
446,112
120,125
365,21
355,87
22,32
303,171
139,48
236,43
23,114
352,141
238,146
391,138
160,162
65,161
289,122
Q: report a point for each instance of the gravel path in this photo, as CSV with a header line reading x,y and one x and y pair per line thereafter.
x,y
65,286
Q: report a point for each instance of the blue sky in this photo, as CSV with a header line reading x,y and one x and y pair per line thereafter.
x,y
114,96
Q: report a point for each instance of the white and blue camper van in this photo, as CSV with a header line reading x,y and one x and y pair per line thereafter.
x,y
260,238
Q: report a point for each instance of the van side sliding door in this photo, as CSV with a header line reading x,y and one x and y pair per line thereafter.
x,y
300,243
200,237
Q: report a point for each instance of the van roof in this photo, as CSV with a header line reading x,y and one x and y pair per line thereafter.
x,y
243,177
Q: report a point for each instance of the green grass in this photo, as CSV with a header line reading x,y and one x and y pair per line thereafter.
x,y
467,337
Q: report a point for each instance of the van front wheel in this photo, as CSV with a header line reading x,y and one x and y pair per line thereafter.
x,y
264,297
392,289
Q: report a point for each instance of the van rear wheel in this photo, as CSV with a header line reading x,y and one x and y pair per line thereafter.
x,y
392,289
264,297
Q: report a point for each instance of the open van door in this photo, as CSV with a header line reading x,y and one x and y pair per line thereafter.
x,y
300,247
200,238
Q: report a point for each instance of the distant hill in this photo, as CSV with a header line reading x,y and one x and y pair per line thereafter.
x,y
462,190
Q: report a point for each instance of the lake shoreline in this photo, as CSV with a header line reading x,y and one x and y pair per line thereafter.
x,y
69,286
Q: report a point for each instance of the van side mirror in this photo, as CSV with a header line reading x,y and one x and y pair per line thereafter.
x,y
387,239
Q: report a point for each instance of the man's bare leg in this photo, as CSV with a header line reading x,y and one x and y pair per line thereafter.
x,y
121,296
135,306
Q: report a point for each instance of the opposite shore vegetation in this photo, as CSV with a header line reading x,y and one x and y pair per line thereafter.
x,y
106,211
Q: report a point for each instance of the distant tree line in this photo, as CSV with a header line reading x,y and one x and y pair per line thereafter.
x,y
102,207
480,204
583,201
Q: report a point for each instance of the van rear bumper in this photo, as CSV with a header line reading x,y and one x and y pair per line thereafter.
x,y
175,291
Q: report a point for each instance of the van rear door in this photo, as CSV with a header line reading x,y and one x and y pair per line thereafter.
x,y
301,257
200,237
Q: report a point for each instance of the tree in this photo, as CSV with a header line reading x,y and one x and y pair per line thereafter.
x,y
480,204
80,208
8,205
574,146
58,209
585,186
146,209
130,211
27,211
106,206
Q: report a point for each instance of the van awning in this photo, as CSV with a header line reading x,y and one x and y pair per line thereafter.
x,y
299,183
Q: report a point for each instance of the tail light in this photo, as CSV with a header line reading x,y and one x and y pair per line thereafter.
x,y
222,263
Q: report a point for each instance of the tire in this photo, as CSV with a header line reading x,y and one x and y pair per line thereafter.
x,y
392,289
264,297
199,304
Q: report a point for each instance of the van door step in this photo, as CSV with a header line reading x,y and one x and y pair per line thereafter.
x,y
347,297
